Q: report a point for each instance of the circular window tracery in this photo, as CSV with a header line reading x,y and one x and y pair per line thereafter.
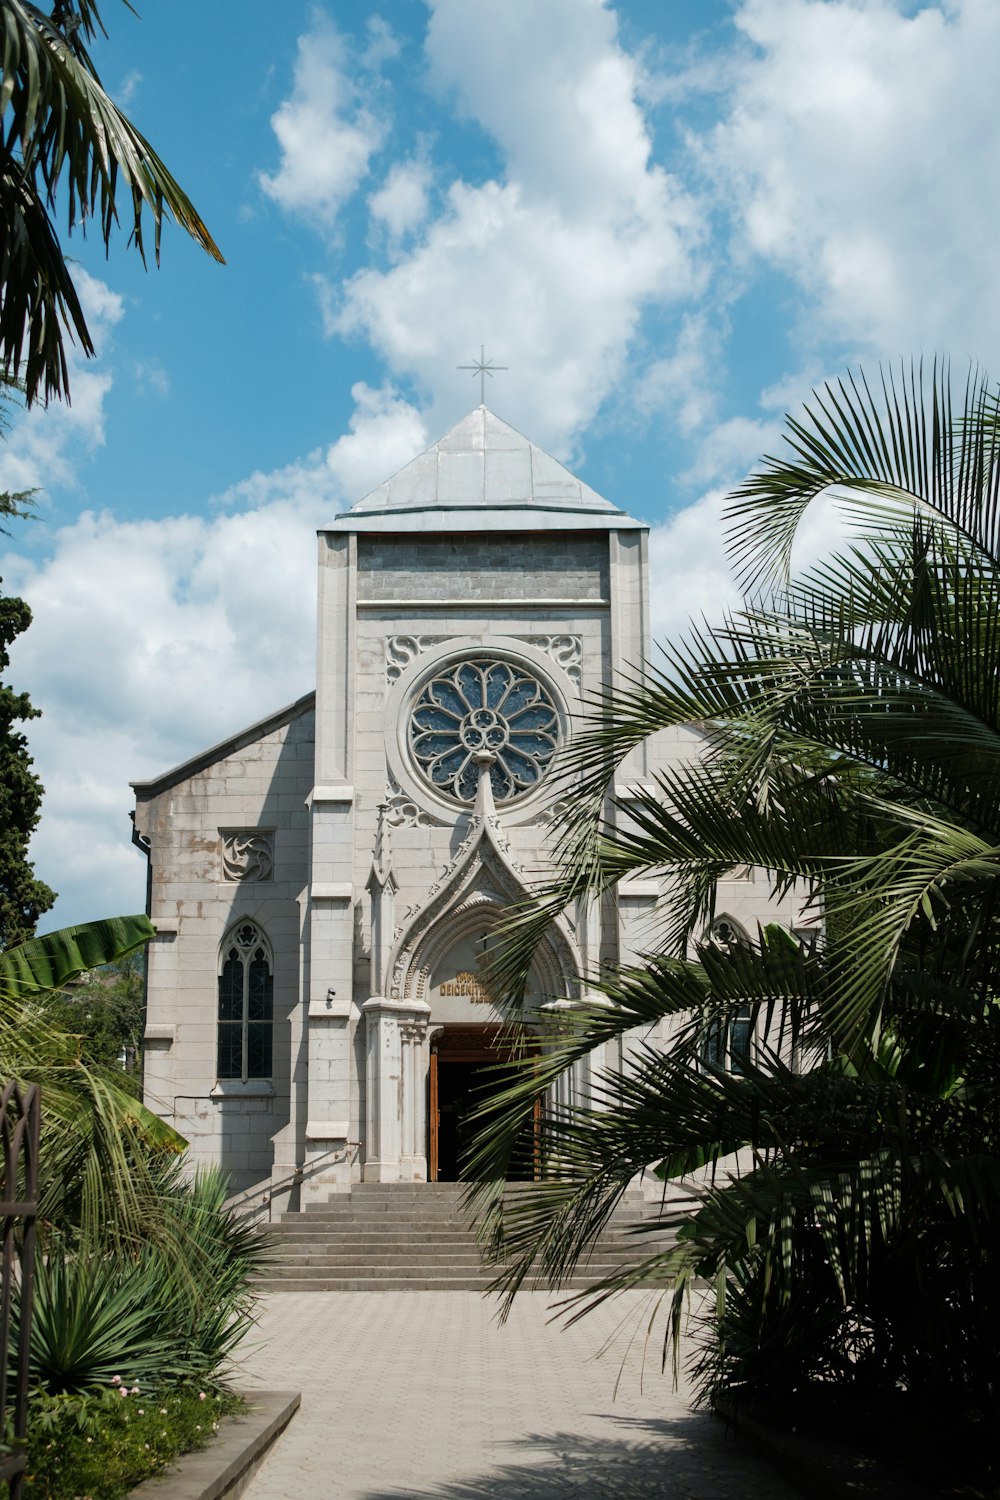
x,y
481,707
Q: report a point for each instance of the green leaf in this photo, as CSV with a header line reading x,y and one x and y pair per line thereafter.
x,y
46,963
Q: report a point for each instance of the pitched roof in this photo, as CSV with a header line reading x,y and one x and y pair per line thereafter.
x,y
238,741
483,474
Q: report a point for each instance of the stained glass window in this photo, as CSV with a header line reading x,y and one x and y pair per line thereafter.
x,y
728,1039
246,1005
484,706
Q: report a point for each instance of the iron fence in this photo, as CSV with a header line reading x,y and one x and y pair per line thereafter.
x,y
20,1129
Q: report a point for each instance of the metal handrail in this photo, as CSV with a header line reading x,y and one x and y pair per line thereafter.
x,y
266,1196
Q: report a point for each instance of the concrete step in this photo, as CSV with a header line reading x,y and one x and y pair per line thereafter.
x,y
415,1236
394,1244
397,1284
336,1254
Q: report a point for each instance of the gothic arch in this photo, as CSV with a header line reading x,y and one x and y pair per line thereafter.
x,y
480,883
553,966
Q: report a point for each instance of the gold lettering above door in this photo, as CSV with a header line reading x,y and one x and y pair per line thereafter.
x,y
468,984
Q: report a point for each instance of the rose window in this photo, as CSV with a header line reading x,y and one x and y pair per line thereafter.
x,y
481,708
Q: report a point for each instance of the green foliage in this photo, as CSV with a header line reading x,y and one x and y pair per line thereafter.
x,y
144,1275
43,964
101,1445
100,1170
154,1315
105,1011
63,137
850,724
97,1316
23,899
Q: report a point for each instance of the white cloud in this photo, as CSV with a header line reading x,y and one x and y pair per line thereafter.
x,y
402,203
684,384
153,639
552,263
729,450
854,153
44,446
386,432
326,132
150,640
383,44
689,575
150,375
128,88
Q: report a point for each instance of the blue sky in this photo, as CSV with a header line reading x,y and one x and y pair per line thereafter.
x,y
669,219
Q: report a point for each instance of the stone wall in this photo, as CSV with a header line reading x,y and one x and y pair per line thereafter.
x,y
229,842
483,568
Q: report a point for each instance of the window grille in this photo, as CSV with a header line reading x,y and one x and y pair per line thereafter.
x,y
728,1040
483,705
246,1005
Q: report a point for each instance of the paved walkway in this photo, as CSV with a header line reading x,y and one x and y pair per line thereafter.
x,y
422,1394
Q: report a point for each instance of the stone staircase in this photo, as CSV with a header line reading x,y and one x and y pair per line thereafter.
x,y
412,1237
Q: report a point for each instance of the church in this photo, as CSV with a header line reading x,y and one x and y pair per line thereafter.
x,y
324,882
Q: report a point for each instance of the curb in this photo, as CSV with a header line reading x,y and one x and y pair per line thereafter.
x,y
227,1465
818,1468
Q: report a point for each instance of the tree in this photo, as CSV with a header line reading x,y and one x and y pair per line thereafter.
x,y
104,1009
61,133
144,1272
851,724
23,899
100,1173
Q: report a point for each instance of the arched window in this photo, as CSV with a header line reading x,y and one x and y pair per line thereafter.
x,y
246,1004
728,1039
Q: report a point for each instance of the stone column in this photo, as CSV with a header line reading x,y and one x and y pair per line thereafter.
x,y
395,1083
413,1153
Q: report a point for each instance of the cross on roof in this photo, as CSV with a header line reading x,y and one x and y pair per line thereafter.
x,y
482,369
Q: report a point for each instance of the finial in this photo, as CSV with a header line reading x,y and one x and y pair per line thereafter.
x,y
485,806
482,369
382,853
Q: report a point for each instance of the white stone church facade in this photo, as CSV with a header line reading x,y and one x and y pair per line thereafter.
x,y
324,882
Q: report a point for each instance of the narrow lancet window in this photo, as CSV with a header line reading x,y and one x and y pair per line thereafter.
x,y
246,1005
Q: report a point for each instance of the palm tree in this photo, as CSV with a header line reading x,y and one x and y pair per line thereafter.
x,y
62,133
146,1271
850,720
103,1154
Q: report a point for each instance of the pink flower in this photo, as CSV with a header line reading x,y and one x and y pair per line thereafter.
x,y
135,1390
201,1395
116,1380
123,1390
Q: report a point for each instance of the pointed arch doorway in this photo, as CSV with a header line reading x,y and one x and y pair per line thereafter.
x,y
467,1064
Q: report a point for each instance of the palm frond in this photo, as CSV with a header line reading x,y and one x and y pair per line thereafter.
x,y
61,132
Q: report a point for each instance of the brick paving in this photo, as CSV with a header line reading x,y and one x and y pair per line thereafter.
x,y
422,1394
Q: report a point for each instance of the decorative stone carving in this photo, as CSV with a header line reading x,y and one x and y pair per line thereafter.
x,y
247,854
400,650
556,812
402,811
565,650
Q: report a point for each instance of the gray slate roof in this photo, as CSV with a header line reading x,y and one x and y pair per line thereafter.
x,y
483,475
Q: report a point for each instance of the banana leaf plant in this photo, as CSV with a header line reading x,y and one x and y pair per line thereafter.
x,y
100,1146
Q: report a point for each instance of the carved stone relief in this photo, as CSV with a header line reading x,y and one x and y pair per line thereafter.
x,y
247,854
400,650
565,650
556,812
402,811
